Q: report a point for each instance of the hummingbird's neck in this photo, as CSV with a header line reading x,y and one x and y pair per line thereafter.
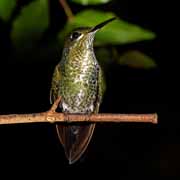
x,y
79,54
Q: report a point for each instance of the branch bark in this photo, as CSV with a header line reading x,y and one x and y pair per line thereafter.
x,y
67,9
54,117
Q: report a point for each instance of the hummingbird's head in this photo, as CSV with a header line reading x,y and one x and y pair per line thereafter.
x,y
83,37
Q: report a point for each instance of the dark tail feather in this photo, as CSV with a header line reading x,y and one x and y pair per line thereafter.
x,y
75,139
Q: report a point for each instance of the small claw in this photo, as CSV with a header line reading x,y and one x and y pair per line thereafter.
x,y
55,105
88,116
66,117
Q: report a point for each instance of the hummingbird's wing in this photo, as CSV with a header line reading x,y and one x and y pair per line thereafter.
x,y
54,94
55,84
75,138
101,89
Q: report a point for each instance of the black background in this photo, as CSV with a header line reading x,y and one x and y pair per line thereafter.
x,y
129,149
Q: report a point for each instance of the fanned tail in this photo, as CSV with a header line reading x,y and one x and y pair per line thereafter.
x,y
75,139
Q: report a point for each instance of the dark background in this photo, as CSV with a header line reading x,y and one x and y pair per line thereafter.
x,y
129,149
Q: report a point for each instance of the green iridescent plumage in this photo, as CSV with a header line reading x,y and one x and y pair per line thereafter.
x,y
79,81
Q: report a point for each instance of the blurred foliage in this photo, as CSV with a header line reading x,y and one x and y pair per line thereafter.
x,y
136,59
6,8
28,28
131,58
117,32
91,2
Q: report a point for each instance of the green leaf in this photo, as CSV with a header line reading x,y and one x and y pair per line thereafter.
x,y
116,32
136,59
6,8
29,26
90,2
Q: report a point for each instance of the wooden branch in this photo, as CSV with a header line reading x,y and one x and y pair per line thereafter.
x,y
67,9
54,117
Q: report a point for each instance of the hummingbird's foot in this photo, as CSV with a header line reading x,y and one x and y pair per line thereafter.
x,y
55,105
88,116
66,117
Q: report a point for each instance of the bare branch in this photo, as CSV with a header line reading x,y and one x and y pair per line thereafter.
x,y
67,9
54,117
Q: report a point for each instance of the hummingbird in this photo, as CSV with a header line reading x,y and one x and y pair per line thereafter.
x,y
78,79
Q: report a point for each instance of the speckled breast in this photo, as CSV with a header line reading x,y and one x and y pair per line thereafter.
x,y
79,83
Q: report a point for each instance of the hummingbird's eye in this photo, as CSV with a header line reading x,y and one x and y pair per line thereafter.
x,y
75,35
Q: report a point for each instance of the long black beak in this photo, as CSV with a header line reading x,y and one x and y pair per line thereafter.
x,y
99,26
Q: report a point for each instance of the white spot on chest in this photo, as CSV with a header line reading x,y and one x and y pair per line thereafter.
x,y
80,97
